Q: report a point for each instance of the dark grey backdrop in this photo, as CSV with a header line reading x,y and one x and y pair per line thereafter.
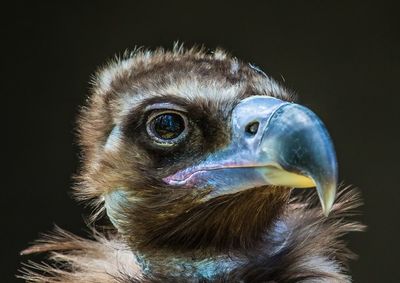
x,y
341,57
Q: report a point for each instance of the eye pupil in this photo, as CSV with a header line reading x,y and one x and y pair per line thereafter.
x,y
168,126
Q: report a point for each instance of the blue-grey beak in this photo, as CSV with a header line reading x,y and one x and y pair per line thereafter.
x,y
273,143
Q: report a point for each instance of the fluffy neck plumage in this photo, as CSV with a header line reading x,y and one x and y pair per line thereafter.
x,y
225,224
212,246
300,245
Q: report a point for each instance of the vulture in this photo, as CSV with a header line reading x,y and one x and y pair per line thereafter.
x,y
198,164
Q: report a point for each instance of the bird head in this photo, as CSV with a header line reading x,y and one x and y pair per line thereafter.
x,y
187,149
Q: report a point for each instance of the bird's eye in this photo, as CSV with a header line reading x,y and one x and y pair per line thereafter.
x,y
167,127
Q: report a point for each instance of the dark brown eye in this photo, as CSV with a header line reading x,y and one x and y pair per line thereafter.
x,y
167,127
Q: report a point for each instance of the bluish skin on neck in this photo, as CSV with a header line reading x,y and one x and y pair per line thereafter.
x,y
184,266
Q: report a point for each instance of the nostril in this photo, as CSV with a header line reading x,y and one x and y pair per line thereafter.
x,y
252,128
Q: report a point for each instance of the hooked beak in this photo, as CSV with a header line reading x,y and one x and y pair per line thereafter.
x,y
273,143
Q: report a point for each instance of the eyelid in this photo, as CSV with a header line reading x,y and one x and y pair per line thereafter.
x,y
159,111
165,106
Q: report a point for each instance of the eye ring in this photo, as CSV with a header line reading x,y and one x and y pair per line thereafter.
x,y
167,121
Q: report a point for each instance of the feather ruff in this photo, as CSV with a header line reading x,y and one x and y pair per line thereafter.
x,y
302,246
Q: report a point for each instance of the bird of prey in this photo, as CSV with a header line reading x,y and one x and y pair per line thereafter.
x,y
194,156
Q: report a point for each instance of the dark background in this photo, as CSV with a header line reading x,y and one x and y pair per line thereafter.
x,y
341,57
